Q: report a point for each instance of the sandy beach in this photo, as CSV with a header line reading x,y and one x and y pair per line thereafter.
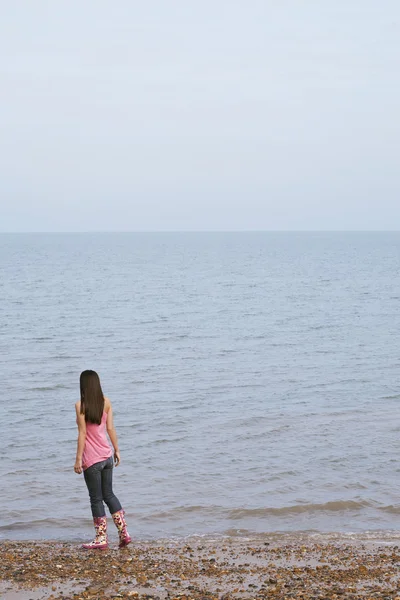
x,y
194,568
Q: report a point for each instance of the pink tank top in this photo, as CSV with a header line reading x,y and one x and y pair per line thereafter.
x,y
97,447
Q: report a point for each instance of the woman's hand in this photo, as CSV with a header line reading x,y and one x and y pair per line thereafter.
x,y
117,458
78,467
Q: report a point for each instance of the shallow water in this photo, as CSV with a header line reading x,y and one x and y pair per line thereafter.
x,y
254,379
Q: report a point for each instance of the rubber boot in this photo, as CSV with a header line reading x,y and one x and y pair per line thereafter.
x,y
100,542
120,523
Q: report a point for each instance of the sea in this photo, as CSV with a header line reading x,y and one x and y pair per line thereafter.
x,y
254,378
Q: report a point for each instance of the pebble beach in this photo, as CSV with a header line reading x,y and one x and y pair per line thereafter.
x,y
196,568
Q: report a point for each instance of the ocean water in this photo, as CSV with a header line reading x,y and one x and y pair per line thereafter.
x,y
254,378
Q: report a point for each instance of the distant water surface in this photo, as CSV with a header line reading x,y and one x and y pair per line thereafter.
x,y
254,377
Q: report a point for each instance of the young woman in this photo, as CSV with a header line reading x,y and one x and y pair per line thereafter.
x,y
95,458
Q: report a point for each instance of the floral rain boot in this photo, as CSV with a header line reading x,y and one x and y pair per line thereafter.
x,y
100,542
120,523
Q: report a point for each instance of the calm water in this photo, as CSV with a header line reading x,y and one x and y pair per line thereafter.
x,y
254,376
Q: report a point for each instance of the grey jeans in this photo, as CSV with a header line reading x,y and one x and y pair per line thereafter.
x,y
98,479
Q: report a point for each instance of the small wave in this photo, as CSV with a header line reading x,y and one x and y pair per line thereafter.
x,y
173,337
182,510
262,434
376,535
391,509
168,440
381,536
48,388
261,512
283,344
36,524
18,473
244,386
355,486
276,536
334,506
33,419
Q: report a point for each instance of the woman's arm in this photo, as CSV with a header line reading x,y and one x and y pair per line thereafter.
x,y
80,421
113,434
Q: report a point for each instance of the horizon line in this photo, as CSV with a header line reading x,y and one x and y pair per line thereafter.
x,y
112,231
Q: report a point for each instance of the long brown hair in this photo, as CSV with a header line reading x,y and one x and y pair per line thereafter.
x,y
92,399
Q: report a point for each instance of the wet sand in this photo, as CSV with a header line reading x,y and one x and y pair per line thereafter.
x,y
197,568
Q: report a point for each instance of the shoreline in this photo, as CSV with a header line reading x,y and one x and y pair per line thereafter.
x,y
286,535
199,568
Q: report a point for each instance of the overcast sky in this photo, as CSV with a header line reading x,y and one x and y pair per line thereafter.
x,y
199,115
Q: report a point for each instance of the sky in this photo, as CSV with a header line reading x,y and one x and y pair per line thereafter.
x,y
127,115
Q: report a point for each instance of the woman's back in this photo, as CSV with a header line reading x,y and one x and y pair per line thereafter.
x,y
97,447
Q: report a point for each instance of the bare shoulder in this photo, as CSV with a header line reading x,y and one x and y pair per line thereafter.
x,y
78,406
107,404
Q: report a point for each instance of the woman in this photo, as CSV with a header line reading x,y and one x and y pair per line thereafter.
x,y
94,457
